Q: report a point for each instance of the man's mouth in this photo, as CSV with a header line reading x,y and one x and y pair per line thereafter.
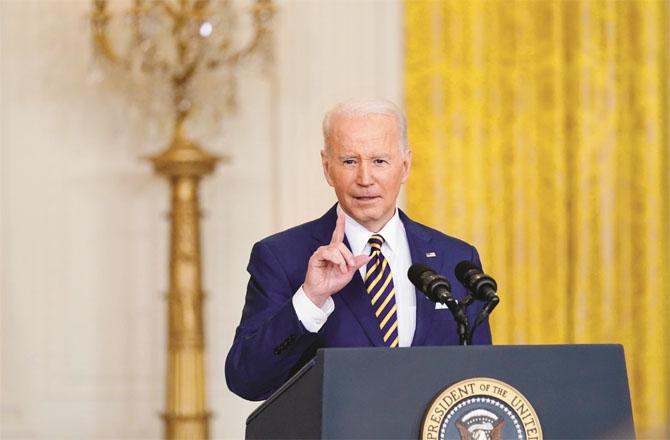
x,y
366,198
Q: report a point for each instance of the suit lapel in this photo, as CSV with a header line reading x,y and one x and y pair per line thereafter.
x,y
353,294
419,242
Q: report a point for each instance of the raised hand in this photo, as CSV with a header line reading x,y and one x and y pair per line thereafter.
x,y
331,267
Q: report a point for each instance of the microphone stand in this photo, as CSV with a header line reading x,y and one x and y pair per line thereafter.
x,y
463,334
458,311
466,339
483,314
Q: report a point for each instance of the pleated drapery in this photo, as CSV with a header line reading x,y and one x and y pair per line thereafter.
x,y
540,134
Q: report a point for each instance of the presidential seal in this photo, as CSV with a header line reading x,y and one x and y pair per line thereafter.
x,y
480,409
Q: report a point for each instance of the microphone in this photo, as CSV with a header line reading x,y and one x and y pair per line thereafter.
x,y
482,286
437,288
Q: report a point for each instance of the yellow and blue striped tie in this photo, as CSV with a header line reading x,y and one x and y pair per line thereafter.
x,y
379,284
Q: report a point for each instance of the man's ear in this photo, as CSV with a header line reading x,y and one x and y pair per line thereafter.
x,y
406,164
325,162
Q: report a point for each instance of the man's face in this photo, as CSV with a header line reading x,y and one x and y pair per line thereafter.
x,y
366,166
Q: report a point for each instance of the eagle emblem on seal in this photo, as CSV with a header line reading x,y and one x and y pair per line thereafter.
x,y
480,424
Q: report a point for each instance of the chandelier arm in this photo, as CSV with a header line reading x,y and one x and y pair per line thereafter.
x,y
167,8
262,12
200,5
99,22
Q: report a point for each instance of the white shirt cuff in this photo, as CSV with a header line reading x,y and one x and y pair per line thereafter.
x,y
311,316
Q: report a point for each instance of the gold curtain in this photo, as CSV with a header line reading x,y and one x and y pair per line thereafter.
x,y
540,134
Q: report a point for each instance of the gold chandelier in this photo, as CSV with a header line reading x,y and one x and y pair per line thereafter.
x,y
179,56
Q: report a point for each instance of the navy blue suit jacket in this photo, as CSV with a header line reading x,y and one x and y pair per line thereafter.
x,y
271,343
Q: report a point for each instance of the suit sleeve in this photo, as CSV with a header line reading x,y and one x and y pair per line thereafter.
x,y
482,335
270,340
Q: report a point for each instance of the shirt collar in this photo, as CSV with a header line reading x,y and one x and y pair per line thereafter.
x,y
358,235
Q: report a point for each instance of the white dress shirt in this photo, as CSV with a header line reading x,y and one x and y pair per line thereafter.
x,y
396,251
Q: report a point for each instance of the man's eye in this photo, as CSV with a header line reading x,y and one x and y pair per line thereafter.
x,y
348,161
380,161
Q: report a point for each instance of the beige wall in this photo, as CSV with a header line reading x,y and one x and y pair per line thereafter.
x,y
83,234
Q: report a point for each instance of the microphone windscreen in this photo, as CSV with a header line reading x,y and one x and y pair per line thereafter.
x,y
462,268
415,272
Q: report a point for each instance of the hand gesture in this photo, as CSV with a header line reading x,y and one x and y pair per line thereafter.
x,y
331,267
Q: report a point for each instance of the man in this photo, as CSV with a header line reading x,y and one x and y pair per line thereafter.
x,y
341,280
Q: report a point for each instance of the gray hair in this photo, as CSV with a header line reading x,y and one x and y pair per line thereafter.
x,y
364,107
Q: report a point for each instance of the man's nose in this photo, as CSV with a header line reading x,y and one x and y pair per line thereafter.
x,y
364,177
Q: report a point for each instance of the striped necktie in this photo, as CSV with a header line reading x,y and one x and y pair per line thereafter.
x,y
379,284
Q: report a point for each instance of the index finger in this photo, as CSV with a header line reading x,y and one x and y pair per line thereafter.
x,y
338,233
